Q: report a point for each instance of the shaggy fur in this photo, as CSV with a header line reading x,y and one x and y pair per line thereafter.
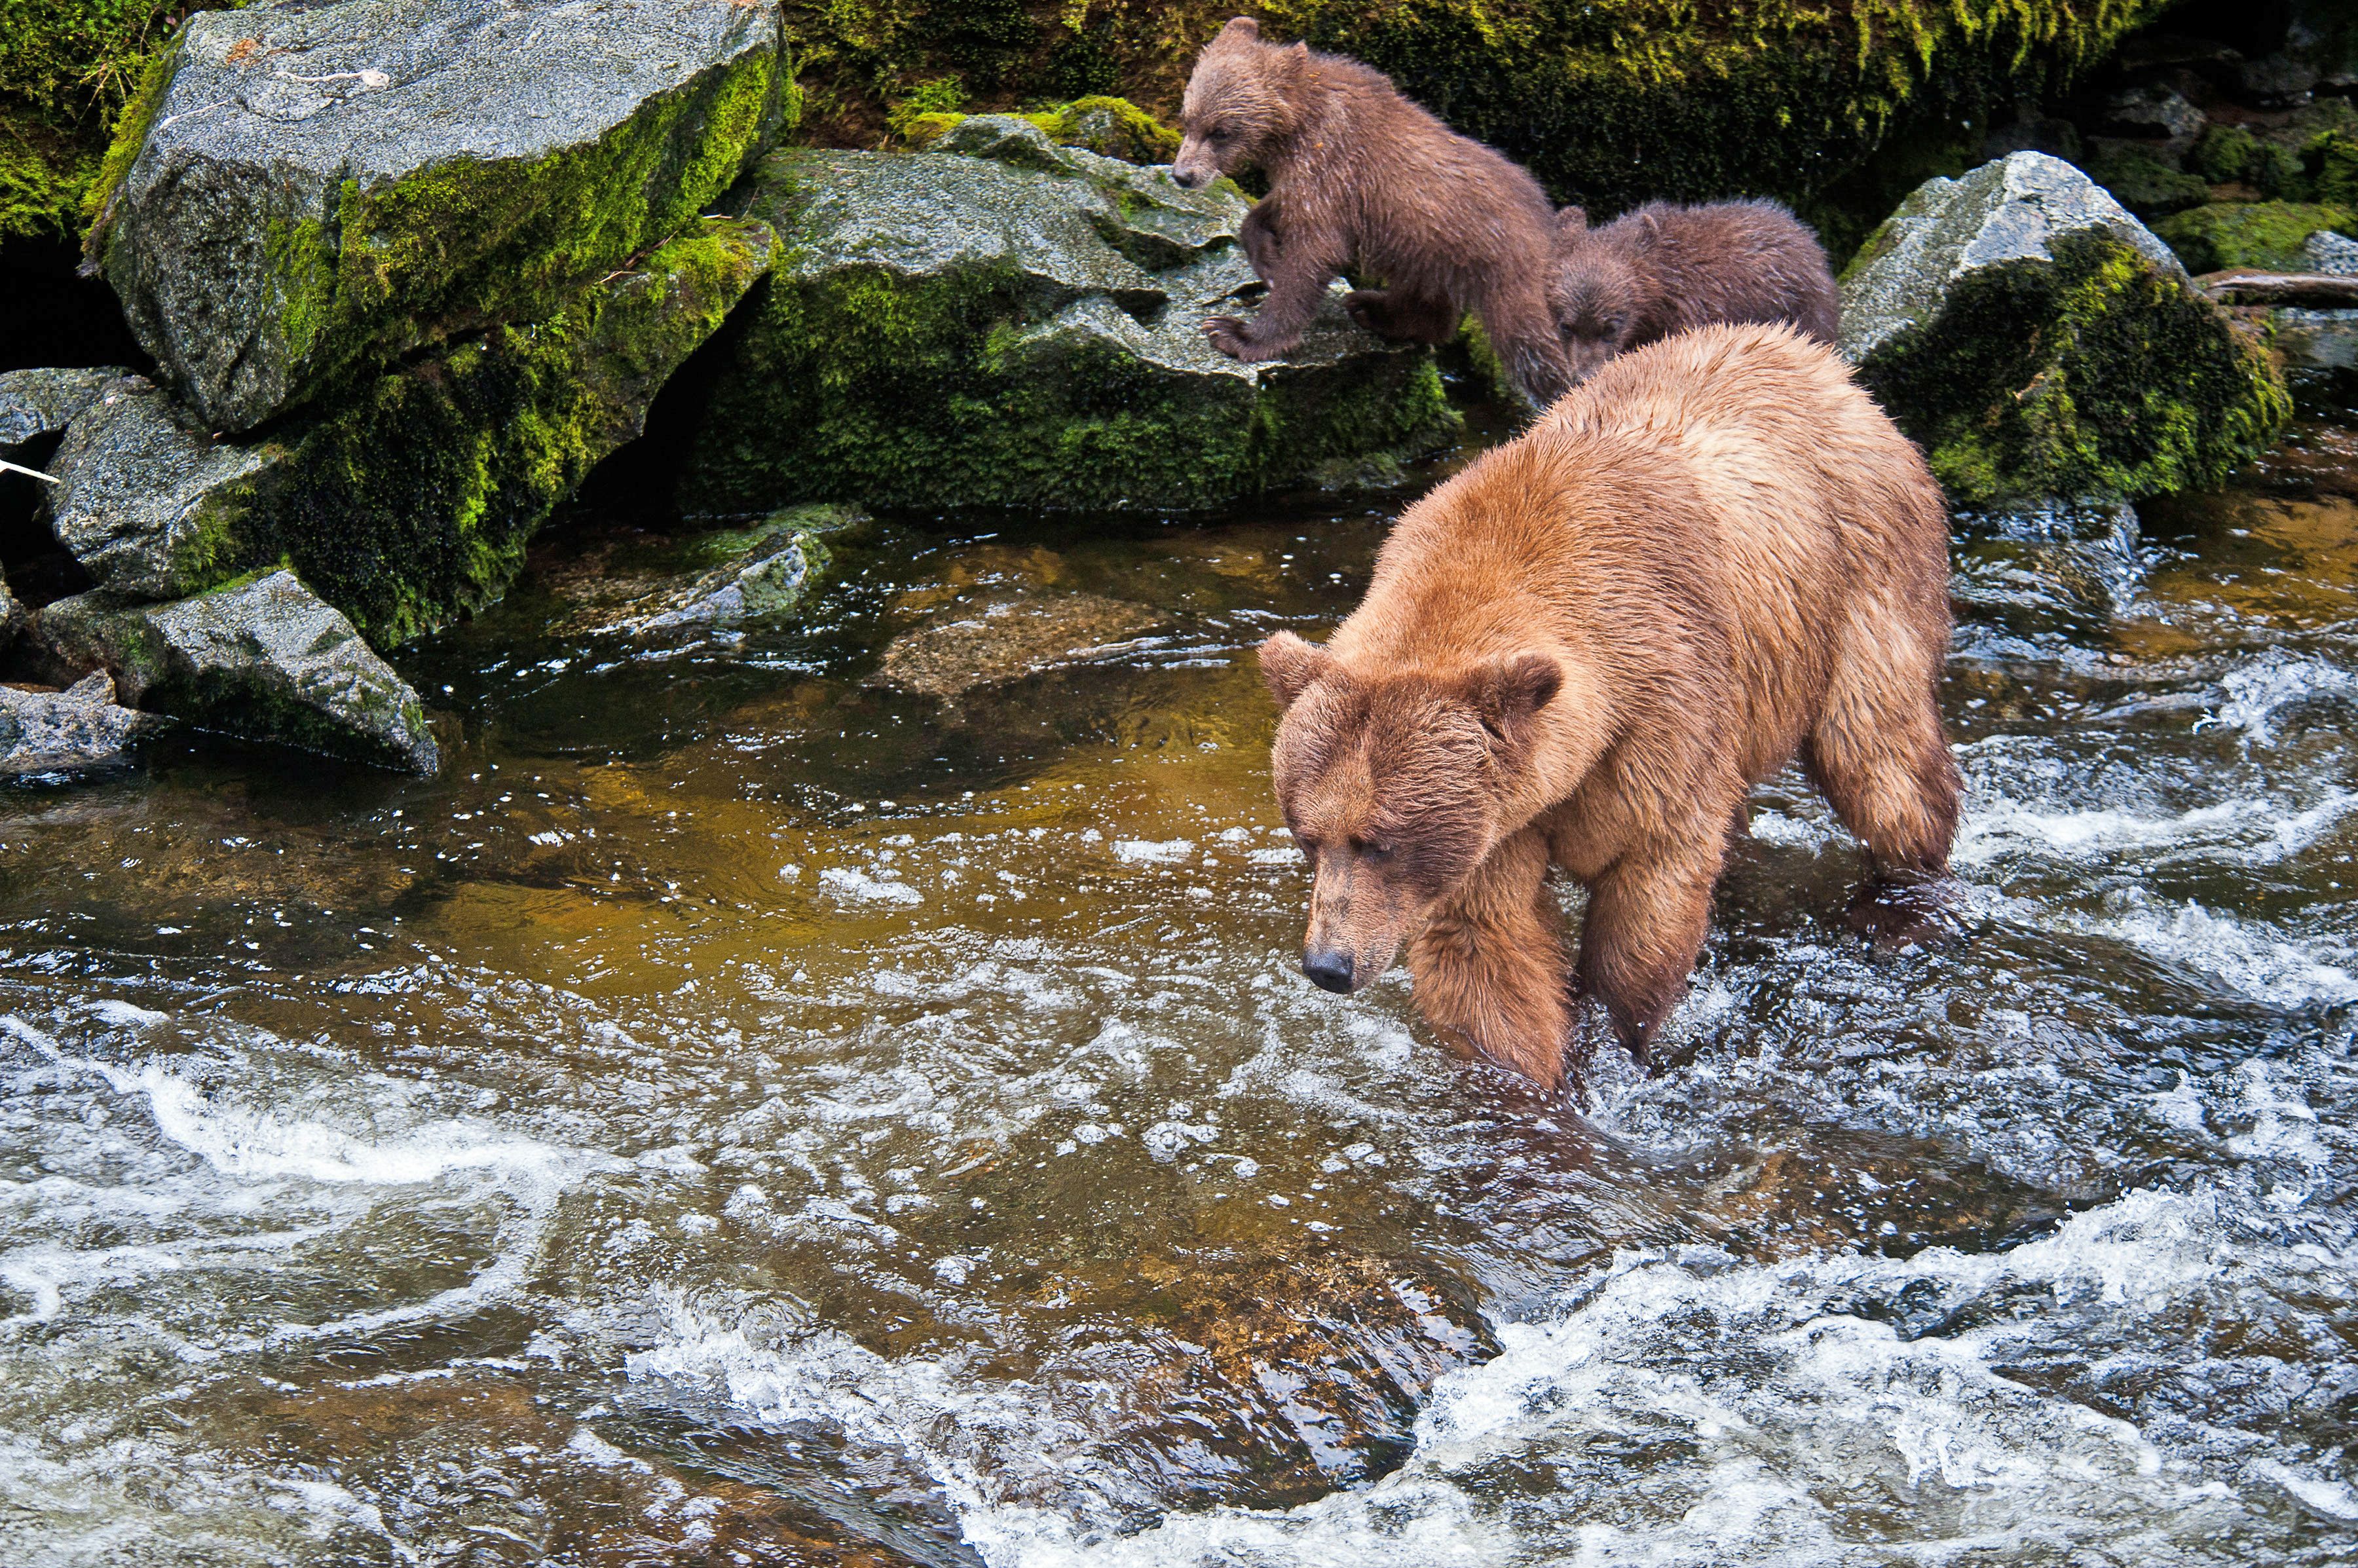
x,y
1665,269
1582,652
1360,178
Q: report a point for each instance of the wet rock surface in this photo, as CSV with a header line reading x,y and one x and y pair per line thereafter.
x,y
317,187
37,403
150,504
265,659
2039,341
1013,322
62,732
717,582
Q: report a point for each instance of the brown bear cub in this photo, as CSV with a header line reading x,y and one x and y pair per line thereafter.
x,y
1665,269
1360,178
1581,650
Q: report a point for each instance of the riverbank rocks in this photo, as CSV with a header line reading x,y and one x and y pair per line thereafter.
x,y
265,659
71,731
303,191
38,403
2039,341
717,582
1009,322
2273,235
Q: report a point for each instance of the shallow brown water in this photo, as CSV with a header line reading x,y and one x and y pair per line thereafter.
x,y
745,1112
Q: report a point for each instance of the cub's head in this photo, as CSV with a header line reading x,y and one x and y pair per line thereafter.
x,y
1242,97
1594,297
1394,788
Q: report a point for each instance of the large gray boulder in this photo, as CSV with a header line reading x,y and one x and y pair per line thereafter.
x,y
147,503
307,190
265,659
45,732
1009,323
2039,341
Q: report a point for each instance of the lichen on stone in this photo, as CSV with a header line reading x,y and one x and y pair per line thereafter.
x,y
2272,235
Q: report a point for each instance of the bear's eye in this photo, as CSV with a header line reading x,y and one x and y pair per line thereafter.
x,y
1306,844
1372,849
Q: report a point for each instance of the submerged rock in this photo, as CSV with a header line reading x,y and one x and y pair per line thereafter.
x,y
999,636
150,504
1021,325
302,191
733,576
265,659
66,731
2334,254
2039,341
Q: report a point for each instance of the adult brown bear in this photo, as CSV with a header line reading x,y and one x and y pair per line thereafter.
x,y
1581,650
1361,179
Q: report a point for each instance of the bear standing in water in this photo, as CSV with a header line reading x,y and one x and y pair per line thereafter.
x,y
1583,651
1666,268
1361,179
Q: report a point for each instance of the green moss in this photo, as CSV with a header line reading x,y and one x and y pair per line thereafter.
x,y
2144,184
1612,101
2271,234
412,502
2098,375
2330,167
1112,128
70,71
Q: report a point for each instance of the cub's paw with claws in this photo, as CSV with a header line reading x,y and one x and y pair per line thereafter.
x,y
1230,336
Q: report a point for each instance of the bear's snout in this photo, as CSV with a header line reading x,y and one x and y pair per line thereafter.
x,y
1188,179
1329,969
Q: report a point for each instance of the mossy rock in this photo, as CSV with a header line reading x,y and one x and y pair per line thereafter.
x,y
276,234
412,502
2330,167
1614,102
1110,127
1024,330
2270,234
2144,184
2038,343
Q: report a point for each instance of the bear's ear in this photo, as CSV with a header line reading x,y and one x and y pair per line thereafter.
x,y
1572,221
1241,27
1293,667
1508,694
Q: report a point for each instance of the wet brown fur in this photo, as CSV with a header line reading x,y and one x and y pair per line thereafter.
x,y
1668,268
1583,650
1362,179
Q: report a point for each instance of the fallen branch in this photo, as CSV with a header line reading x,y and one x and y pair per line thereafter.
x,y
2247,286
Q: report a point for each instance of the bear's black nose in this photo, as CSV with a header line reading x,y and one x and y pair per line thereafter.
x,y
1187,177
1330,970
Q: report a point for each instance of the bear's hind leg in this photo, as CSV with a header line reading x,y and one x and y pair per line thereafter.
x,y
1489,968
1879,756
1648,915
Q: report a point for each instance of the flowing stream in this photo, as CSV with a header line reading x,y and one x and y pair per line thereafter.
x,y
742,1112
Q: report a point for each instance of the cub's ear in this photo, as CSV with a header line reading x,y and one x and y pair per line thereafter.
x,y
1293,667
1572,221
1241,27
1510,693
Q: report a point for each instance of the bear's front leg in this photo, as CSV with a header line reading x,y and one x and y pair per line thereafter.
x,y
1489,968
1296,287
1648,915
1257,235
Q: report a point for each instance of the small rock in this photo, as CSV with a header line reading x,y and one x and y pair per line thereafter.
x,y
2156,111
2039,341
2315,340
144,501
748,574
2336,254
998,637
319,187
264,659
2271,235
12,616
66,731
37,403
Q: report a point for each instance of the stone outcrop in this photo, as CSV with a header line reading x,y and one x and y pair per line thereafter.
x,y
265,659
303,191
2039,341
71,731
1009,323
38,403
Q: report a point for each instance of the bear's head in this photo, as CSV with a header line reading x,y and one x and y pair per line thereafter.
x,y
1242,97
1395,787
1594,296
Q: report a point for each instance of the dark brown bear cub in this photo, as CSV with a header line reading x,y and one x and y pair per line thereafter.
x,y
1581,650
1360,178
1665,269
